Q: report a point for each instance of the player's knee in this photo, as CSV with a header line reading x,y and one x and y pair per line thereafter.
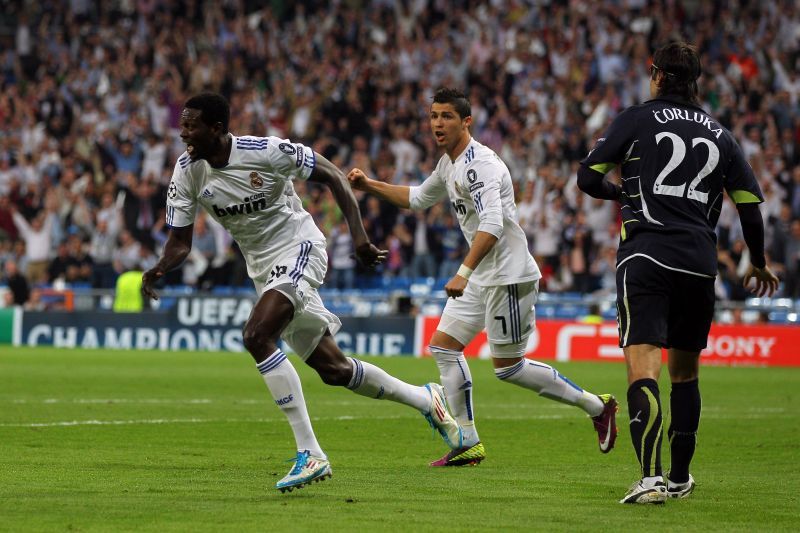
x,y
445,355
507,369
258,342
682,375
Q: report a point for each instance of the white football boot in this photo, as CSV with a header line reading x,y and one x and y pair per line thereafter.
x,y
306,469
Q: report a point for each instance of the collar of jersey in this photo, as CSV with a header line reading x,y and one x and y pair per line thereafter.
x,y
675,99
464,151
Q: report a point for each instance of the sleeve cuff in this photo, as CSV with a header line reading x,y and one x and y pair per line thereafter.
x,y
492,228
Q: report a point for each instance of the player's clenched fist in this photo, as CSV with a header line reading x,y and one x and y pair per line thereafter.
x,y
455,287
357,179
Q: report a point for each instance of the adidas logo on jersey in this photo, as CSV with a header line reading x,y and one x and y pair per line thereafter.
x,y
257,202
207,194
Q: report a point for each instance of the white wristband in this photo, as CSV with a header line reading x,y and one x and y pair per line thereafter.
x,y
464,271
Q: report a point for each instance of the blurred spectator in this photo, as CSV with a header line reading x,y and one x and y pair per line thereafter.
x,y
341,258
128,294
38,244
527,210
452,245
18,290
155,158
81,266
423,262
8,229
57,269
126,257
578,244
791,275
604,271
101,249
142,203
593,315
400,246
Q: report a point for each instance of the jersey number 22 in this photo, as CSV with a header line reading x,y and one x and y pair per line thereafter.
x,y
678,153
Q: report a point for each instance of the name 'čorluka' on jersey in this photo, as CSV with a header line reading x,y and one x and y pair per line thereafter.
x,y
675,162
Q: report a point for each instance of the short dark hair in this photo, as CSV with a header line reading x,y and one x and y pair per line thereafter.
x,y
213,108
457,98
680,64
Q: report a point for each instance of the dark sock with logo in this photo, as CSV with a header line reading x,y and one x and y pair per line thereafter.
x,y
684,401
644,408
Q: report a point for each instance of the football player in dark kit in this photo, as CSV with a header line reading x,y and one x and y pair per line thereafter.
x,y
675,160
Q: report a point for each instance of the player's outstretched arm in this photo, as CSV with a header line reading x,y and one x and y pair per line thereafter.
x,y
398,195
766,282
177,247
329,174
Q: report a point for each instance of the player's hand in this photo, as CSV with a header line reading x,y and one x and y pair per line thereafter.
x,y
357,179
149,280
455,287
370,255
766,282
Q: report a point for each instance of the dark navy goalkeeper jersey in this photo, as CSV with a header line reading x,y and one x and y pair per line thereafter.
x,y
675,160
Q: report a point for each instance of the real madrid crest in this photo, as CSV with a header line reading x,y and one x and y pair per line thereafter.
x,y
256,181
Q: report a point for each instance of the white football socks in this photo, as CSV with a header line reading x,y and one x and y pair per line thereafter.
x,y
284,385
457,382
548,382
373,382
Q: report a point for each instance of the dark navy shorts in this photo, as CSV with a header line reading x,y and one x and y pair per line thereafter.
x,y
663,307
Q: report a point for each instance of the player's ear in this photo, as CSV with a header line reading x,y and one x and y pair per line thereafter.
x,y
468,121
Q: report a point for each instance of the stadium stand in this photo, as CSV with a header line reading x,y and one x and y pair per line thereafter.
x,y
91,93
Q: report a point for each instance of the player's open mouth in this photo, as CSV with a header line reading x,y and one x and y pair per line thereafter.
x,y
439,135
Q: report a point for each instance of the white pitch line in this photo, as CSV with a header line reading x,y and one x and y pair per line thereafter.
x,y
550,406
114,400
72,423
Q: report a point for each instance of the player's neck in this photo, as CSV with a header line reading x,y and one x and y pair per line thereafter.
x,y
222,152
459,148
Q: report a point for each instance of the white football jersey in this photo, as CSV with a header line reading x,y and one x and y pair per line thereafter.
x,y
482,195
252,197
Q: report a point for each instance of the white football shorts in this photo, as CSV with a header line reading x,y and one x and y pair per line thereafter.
x,y
506,311
297,275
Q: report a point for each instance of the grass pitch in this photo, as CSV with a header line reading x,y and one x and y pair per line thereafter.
x,y
149,441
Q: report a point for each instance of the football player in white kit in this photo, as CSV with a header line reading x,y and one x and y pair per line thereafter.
x,y
245,183
497,284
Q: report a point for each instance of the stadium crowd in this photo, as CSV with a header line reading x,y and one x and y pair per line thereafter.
x,y
92,92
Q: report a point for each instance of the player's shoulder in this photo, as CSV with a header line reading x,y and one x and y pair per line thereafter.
x,y
184,165
632,114
480,155
250,143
